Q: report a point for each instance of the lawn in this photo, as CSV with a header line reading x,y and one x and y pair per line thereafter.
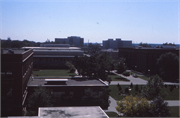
x,y
115,77
174,111
53,73
114,92
112,114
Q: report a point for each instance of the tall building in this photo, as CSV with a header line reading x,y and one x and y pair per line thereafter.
x,y
73,41
16,71
115,44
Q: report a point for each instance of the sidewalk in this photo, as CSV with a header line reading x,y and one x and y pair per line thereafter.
x,y
134,80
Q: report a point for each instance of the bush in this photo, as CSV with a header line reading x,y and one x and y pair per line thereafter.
x,y
125,73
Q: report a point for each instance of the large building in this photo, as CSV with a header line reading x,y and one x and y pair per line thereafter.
x,y
73,41
144,59
53,57
71,91
16,71
115,44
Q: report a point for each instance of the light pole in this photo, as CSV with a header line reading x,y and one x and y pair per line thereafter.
x,y
149,71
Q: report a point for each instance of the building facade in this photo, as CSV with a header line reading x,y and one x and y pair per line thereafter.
x,y
53,57
73,41
144,59
72,91
115,44
16,71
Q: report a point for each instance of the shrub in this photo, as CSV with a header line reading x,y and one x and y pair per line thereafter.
x,y
125,73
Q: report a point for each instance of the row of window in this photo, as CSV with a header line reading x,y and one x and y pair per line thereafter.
x,y
53,59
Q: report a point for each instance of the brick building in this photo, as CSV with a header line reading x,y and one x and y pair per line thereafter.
x,y
145,59
16,71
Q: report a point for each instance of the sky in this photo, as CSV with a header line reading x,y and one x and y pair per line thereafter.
x,y
147,21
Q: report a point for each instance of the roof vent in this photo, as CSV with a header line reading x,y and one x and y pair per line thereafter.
x,y
56,81
11,51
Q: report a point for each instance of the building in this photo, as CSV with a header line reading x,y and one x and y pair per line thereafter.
x,y
144,59
73,41
114,54
53,57
115,44
16,71
78,112
70,91
70,112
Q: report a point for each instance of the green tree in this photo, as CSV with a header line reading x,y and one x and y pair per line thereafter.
x,y
144,45
39,98
159,108
168,66
121,67
133,106
94,97
70,66
93,48
96,66
153,88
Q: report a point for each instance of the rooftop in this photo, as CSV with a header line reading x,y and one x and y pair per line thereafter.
x,y
16,51
72,112
53,48
74,81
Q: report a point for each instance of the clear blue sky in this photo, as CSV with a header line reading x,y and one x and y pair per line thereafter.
x,y
153,21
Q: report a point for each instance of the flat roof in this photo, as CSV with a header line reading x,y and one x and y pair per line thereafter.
x,y
72,112
60,80
60,48
52,56
71,82
68,50
16,51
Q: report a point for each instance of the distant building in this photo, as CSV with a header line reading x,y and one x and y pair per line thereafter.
x,y
73,41
115,44
114,54
70,91
144,59
53,57
16,71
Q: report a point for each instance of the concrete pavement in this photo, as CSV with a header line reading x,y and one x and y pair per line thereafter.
x,y
134,80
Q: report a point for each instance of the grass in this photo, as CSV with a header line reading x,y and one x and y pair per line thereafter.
x,y
52,73
114,92
112,114
174,111
115,77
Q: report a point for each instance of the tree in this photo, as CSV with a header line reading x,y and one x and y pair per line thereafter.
x,y
159,108
131,85
127,90
96,66
39,98
93,48
136,88
125,73
121,67
144,45
71,67
153,88
94,97
168,64
133,106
